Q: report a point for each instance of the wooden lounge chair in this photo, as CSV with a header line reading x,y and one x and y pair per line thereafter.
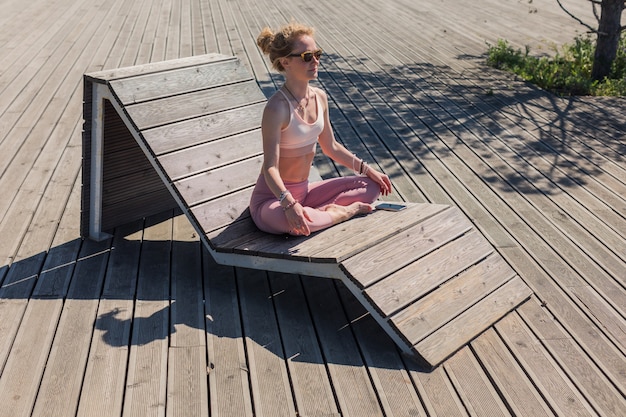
x,y
186,133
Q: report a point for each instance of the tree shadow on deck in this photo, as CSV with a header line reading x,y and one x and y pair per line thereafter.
x,y
511,134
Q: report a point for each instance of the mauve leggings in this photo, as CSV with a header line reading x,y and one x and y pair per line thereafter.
x,y
268,214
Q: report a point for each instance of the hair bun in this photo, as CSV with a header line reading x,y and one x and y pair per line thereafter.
x,y
264,40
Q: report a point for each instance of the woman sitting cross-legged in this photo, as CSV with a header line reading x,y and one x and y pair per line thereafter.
x,y
294,121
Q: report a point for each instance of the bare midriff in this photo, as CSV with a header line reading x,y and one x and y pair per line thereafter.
x,y
295,169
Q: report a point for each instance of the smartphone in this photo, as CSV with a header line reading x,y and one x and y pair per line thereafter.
x,y
390,206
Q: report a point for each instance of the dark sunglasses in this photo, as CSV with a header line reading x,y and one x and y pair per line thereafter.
x,y
308,55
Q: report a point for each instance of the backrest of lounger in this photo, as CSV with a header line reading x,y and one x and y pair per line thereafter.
x,y
184,131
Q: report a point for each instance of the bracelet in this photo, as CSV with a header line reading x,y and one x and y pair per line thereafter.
x,y
283,195
365,170
290,205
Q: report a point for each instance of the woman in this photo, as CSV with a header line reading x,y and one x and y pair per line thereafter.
x,y
294,121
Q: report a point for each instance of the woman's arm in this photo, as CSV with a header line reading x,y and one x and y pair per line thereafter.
x,y
275,116
338,153
271,124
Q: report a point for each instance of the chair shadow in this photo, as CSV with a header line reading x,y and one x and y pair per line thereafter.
x,y
152,291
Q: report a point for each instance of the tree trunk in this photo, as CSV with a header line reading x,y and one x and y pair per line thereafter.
x,y
608,38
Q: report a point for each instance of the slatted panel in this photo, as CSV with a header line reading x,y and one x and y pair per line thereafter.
x,y
210,155
167,80
168,110
199,120
330,245
131,186
192,132
86,157
214,215
437,285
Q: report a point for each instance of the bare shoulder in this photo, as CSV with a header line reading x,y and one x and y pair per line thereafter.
x,y
322,95
277,102
277,109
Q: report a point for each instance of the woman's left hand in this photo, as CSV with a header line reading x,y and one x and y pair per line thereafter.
x,y
381,179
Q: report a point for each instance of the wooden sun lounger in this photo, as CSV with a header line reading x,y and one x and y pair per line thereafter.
x,y
186,133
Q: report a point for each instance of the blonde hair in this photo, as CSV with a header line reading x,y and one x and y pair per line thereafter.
x,y
279,44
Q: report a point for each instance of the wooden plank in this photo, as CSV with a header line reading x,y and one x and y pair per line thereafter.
x,y
221,181
513,383
543,370
56,274
191,105
269,380
389,256
56,200
56,83
14,293
211,155
28,329
187,382
145,49
312,388
192,132
216,214
229,386
172,47
238,234
103,388
187,305
70,349
121,278
577,323
220,34
474,386
577,362
473,321
157,66
382,224
157,54
197,28
605,315
146,381
390,378
19,381
355,394
422,276
133,34
12,311
21,278
68,228
436,389
451,299
357,234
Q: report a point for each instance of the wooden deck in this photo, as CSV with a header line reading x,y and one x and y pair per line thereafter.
x,y
146,324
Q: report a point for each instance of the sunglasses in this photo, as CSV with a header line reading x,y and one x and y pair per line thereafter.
x,y
308,55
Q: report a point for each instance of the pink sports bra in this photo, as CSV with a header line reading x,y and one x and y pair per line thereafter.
x,y
299,137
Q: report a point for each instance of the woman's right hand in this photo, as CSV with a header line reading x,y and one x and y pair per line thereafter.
x,y
297,219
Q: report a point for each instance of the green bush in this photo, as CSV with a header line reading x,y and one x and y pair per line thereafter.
x,y
567,73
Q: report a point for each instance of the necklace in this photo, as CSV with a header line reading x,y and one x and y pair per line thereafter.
x,y
300,107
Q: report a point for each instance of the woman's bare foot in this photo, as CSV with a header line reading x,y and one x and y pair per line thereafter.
x,y
343,213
